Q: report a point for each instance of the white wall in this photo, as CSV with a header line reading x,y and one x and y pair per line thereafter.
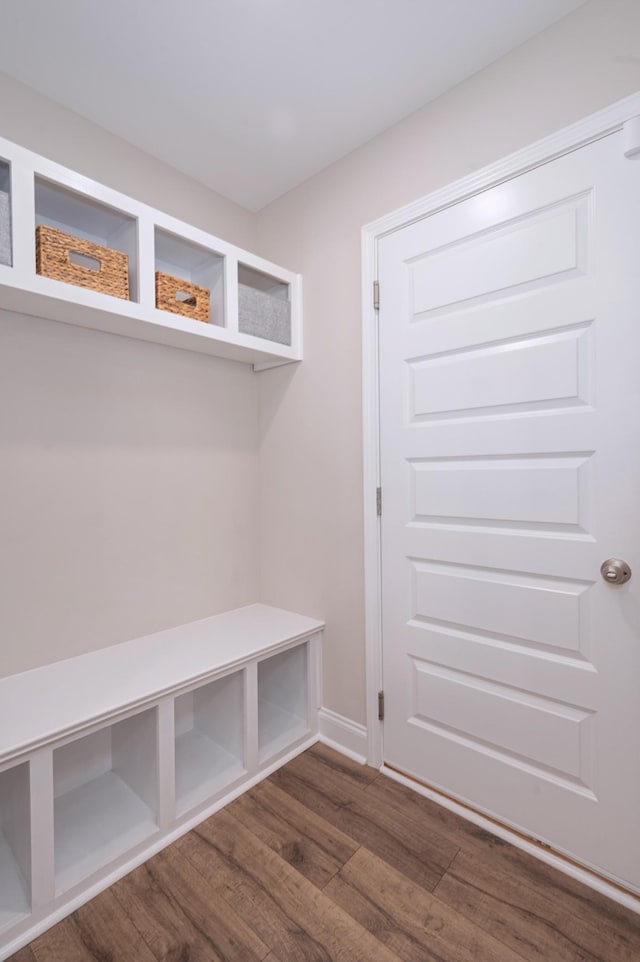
x,y
127,470
311,428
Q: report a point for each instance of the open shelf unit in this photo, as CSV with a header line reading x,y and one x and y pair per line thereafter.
x,y
124,749
256,306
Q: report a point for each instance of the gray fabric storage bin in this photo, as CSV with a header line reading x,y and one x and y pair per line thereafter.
x,y
5,228
263,315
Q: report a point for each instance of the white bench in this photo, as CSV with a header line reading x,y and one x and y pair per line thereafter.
x,y
107,757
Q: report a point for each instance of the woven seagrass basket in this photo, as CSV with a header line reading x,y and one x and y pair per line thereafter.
x,y
81,262
182,297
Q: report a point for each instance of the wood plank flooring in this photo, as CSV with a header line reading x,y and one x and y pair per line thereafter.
x,y
329,861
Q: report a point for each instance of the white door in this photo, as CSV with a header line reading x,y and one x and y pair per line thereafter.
x,y
510,447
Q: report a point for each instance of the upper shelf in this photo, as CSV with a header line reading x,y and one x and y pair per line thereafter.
x,y
256,306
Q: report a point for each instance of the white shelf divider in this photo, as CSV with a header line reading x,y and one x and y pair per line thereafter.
x,y
231,292
146,263
166,763
22,227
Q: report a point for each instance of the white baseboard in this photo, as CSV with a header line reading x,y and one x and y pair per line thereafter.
x,y
343,734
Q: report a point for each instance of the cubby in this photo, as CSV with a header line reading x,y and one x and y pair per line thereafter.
x,y
255,306
264,308
192,262
106,796
83,216
5,213
209,726
15,845
282,700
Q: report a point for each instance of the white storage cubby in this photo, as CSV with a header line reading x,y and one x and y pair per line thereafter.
x,y
181,258
43,192
15,845
81,215
209,725
5,213
105,790
283,712
124,749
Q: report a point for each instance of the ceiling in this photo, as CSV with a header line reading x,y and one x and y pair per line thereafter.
x,y
251,97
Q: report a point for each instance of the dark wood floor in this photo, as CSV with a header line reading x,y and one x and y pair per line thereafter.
x,y
327,860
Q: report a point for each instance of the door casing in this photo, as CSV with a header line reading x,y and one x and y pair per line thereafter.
x,y
592,128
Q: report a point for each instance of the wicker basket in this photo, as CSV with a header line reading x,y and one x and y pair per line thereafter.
x,y
54,250
170,293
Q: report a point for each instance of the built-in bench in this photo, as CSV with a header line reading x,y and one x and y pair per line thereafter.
x,y
107,757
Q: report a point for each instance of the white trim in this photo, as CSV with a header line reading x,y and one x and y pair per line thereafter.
x,y
343,734
574,871
592,128
597,125
371,470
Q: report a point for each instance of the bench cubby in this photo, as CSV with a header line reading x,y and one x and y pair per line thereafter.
x,y
106,796
282,700
126,748
15,845
209,724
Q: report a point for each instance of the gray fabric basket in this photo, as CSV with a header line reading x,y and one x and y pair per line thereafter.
x,y
263,315
5,228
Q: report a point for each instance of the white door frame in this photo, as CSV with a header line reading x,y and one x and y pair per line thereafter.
x,y
592,128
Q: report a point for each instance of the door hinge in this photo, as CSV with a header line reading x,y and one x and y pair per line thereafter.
x,y
376,295
380,706
379,501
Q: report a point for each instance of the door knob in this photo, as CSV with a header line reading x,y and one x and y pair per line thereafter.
x,y
615,571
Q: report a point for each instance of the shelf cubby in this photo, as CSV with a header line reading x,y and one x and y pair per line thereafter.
x,y
209,740
106,796
15,845
83,216
192,262
282,701
5,213
264,306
